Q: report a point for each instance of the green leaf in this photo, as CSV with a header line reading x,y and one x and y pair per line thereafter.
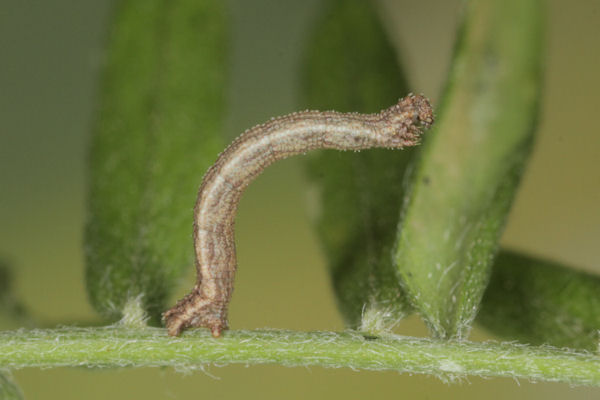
x,y
13,313
471,163
351,66
160,116
8,388
542,302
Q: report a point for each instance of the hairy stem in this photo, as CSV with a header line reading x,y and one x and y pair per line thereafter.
x,y
151,347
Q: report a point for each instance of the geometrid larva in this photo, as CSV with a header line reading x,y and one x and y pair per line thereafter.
x,y
206,306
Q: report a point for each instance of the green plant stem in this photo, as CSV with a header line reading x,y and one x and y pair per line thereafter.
x,y
151,347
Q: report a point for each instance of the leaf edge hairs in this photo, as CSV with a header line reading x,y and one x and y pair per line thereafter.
x,y
396,127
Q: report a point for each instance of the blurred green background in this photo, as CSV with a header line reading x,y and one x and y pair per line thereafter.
x,y
50,54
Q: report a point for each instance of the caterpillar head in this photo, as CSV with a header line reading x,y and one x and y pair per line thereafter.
x,y
406,121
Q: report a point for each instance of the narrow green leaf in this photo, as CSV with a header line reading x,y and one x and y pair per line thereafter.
x,y
471,163
8,388
351,66
160,117
13,313
542,302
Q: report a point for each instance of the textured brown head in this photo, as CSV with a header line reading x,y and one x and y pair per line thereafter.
x,y
406,121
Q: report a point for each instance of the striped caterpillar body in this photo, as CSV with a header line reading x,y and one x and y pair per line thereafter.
x,y
214,214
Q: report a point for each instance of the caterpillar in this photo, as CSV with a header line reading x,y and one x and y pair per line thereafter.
x,y
398,126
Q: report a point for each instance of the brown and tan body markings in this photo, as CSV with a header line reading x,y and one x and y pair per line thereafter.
x,y
206,306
